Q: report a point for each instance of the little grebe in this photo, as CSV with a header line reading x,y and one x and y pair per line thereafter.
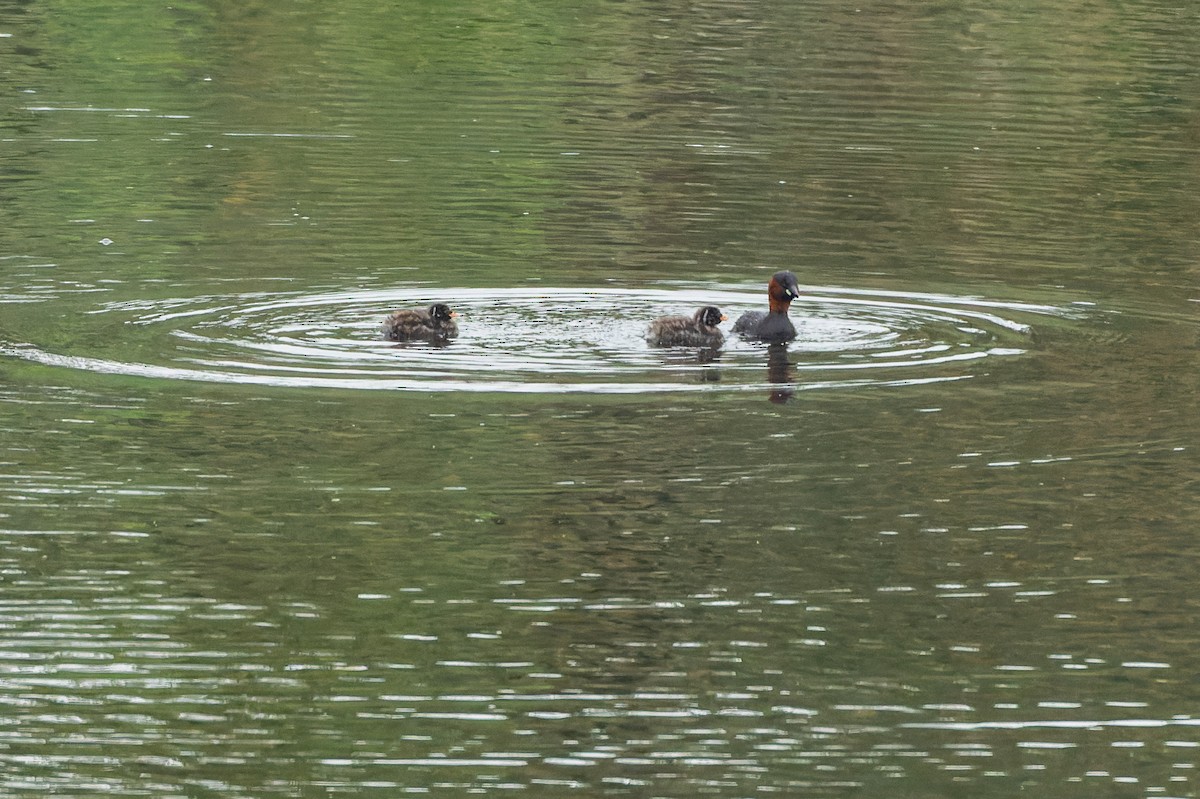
x,y
774,325
436,324
698,330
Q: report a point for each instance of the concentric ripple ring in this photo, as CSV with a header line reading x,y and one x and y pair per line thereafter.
x,y
549,340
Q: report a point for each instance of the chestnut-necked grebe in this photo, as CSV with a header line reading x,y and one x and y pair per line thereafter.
x,y
773,325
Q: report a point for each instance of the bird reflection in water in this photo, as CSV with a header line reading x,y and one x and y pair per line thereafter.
x,y
780,374
706,358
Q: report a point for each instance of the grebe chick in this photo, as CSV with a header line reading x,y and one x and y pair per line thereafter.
x,y
773,325
698,330
436,324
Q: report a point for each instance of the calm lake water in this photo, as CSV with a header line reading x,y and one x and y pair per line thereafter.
x,y
942,545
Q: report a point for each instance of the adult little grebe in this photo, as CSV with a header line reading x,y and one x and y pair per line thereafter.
x,y
436,324
774,325
698,330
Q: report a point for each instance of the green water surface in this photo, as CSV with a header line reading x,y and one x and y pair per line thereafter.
x,y
963,577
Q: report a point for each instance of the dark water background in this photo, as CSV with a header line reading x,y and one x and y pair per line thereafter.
x,y
943,546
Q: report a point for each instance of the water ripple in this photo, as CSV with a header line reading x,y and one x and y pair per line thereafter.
x,y
549,340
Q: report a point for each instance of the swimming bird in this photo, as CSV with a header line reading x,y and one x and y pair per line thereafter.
x,y
774,325
437,324
697,330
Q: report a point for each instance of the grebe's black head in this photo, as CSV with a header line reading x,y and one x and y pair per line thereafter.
x,y
710,316
784,287
440,312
